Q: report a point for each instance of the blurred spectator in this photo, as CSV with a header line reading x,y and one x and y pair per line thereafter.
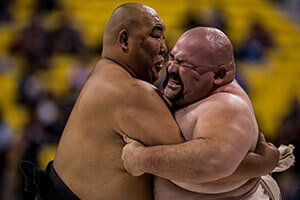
x,y
239,76
6,63
211,18
218,20
5,144
47,118
43,125
34,44
192,21
46,5
76,79
80,73
29,88
34,136
255,46
48,112
65,39
5,12
290,134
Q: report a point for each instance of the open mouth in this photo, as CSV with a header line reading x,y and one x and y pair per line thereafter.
x,y
158,66
174,87
174,80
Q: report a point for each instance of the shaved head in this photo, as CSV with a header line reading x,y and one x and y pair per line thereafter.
x,y
129,16
211,42
134,38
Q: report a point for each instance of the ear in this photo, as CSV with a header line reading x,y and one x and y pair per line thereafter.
x,y
220,75
123,40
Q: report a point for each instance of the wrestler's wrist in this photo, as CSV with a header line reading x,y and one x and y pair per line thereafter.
x,y
272,159
135,164
141,159
149,160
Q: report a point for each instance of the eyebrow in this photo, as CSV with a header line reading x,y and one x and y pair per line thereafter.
x,y
181,60
188,62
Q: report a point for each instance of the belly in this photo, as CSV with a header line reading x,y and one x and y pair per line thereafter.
x,y
100,175
128,188
119,187
164,189
212,187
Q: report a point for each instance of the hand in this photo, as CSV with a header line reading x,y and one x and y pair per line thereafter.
x,y
268,151
130,156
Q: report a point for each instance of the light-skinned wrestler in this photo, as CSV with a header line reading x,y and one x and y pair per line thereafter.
x,y
216,118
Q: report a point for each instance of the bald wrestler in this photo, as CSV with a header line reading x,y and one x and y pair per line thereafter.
x,y
117,99
216,118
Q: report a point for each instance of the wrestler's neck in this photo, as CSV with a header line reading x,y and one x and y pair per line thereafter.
x,y
121,62
229,87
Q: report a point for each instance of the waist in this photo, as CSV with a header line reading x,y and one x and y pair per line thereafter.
x,y
106,183
219,187
61,188
164,189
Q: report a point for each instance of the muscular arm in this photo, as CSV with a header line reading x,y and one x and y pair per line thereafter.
x,y
142,115
256,164
219,145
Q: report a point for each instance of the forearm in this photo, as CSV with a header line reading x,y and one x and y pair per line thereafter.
x,y
258,163
190,162
252,166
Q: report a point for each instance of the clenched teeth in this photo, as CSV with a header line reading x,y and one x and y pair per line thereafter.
x,y
175,81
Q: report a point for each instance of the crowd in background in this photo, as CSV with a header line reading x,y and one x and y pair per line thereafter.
x,y
35,47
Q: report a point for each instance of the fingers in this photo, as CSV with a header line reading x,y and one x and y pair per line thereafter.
x,y
123,155
261,137
271,144
127,139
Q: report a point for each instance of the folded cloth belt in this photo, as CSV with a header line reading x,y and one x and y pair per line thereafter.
x,y
44,185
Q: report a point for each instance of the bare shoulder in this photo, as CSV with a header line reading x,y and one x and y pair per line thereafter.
x,y
226,104
133,105
144,115
229,113
226,119
113,82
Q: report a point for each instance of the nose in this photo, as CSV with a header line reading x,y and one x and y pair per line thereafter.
x,y
163,48
172,67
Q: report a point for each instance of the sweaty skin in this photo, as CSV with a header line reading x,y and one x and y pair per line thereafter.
x,y
118,99
112,103
216,118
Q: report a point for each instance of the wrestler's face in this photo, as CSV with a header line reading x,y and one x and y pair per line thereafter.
x,y
149,47
190,75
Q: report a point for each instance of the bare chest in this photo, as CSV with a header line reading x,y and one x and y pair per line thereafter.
x,y
186,119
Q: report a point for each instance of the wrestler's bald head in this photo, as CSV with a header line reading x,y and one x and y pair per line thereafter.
x,y
134,38
129,16
212,43
209,46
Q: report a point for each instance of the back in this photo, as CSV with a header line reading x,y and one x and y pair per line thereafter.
x,y
111,103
